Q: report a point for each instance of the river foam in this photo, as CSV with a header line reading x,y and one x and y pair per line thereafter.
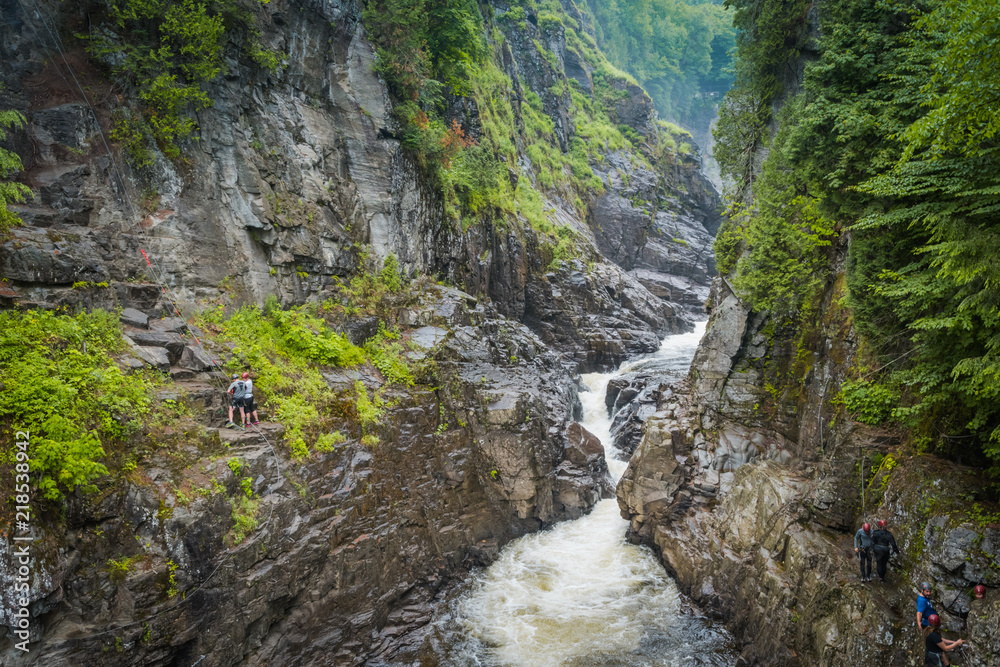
x,y
579,595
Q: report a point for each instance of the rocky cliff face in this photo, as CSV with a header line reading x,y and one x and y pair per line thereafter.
x,y
750,481
296,177
353,545
293,173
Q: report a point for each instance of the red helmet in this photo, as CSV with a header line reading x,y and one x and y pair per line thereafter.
x,y
246,375
934,620
881,523
867,527
980,591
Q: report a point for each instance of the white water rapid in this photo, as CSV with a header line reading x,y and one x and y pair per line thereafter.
x,y
579,595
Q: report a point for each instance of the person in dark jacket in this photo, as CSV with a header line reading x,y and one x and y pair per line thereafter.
x,y
883,545
936,646
863,547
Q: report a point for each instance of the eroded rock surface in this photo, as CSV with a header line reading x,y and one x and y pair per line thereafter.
x,y
750,489
353,545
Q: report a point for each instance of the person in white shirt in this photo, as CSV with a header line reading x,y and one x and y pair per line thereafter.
x,y
248,404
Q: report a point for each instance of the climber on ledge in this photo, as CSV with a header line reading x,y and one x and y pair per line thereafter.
x,y
883,543
248,405
863,547
935,646
924,607
236,392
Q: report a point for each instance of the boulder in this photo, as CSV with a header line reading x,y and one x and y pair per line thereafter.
x,y
582,446
157,357
134,318
174,343
169,325
195,359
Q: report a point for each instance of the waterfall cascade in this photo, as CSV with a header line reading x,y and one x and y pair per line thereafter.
x,y
580,595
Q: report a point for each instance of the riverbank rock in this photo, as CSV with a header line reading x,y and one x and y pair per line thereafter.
x,y
750,488
770,541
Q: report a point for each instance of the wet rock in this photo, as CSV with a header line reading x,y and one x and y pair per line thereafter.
x,y
583,463
983,629
583,447
751,532
631,399
175,325
70,125
428,337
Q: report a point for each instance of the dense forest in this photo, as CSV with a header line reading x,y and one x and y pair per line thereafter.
x,y
889,147
679,50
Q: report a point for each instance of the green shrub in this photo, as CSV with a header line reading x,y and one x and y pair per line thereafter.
x,y
870,403
10,164
311,338
390,274
370,410
285,349
516,15
328,441
61,383
298,415
387,355
169,50
119,568
727,247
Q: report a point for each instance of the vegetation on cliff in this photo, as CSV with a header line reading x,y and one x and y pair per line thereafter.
x,y
61,379
441,59
168,51
678,51
62,384
892,140
10,164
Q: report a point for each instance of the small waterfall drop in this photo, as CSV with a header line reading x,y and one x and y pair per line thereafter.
x,y
579,595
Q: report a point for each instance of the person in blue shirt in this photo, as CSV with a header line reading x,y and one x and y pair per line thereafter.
x,y
863,547
924,606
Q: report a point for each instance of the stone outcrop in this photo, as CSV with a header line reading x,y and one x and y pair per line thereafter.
x,y
352,546
748,483
763,541
661,230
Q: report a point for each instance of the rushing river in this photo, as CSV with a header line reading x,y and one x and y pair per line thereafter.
x,y
579,595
